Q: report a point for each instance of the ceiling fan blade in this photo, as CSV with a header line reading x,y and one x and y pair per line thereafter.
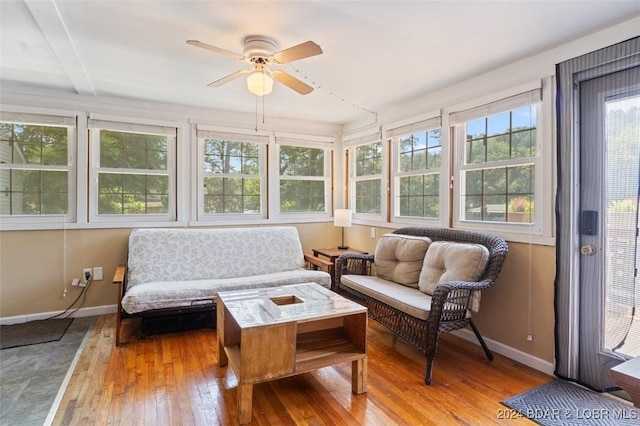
x,y
228,78
300,51
215,49
292,83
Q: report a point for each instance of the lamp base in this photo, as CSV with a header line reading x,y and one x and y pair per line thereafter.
x,y
343,247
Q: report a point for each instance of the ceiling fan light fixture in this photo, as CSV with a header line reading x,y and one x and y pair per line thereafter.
x,y
259,83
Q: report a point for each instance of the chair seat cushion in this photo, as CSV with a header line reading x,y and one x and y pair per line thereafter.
x,y
406,299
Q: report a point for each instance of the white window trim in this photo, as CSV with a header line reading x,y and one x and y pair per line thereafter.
x,y
351,146
55,118
126,124
239,135
306,141
394,134
541,231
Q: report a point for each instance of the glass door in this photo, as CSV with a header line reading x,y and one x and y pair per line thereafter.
x,y
609,324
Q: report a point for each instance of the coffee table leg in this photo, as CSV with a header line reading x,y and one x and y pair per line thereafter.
x,y
222,355
245,399
359,376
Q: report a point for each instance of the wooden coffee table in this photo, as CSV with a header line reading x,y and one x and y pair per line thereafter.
x,y
266,334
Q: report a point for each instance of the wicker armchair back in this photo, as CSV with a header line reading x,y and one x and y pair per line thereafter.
x,y
445,314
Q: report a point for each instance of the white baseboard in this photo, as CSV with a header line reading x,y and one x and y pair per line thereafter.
x,y
83,312
512,353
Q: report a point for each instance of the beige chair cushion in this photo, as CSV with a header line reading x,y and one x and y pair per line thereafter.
x,y
408,300
399,258
447,261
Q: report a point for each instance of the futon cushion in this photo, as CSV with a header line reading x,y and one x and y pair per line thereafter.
x,y
448,261
399,258
176,294
200,254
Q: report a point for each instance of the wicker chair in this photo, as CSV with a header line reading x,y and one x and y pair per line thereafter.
x,y
446,312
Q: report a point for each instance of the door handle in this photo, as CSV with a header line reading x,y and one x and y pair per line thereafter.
x,y
588,250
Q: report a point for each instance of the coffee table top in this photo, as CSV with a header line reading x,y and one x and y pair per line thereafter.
x,y
297,302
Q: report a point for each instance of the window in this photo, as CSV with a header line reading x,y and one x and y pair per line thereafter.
x,y
133,168
367,173
232,177
35,165
304,180
417,170
499,149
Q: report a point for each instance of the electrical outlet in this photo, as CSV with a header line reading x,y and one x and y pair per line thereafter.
x,y
75,282
87,273
373,232
530,338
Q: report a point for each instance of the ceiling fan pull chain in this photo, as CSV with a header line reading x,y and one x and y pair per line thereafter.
x,y
263,110
256,129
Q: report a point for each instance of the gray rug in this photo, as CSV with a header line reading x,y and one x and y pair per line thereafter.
x,y
32,378
33,332
560,403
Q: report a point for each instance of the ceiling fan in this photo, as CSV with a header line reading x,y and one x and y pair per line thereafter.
x,y
261,52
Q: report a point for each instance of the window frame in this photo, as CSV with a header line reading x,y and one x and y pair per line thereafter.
x,y
324,144
394,134
540,94
52,118
236,135
350,146
95,124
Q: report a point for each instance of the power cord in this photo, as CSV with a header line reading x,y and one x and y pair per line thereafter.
x,y
82,294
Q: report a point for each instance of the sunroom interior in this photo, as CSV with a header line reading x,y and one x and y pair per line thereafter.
x,y
126,134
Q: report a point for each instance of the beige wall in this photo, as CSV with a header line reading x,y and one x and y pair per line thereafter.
x,y
36,266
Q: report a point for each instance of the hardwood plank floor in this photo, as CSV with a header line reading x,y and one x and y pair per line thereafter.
x,y
174,379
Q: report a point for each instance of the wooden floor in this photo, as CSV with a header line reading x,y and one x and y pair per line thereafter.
x,y
174,379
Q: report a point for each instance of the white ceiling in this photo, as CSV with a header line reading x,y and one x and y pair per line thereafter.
x,y
376,53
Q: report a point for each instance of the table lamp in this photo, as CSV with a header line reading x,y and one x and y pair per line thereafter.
x,y
342,218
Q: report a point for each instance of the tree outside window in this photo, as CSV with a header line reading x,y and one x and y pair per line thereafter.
x,y
232,182
302,179
499,173
418,178
368,161
133,175
34,170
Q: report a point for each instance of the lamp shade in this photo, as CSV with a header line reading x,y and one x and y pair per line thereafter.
x,y
342,217
259,83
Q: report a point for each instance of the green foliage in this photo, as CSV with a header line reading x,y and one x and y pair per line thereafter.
x,y
34,191
132,193
236,190
623,146
418,196
368,159
301,161
623,206
302,195
420,151
368,196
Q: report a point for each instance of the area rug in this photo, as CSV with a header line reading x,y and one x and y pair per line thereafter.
x,y
33,378
33,332
560,403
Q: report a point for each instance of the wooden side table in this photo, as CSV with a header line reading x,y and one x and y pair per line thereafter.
x,y
331,254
